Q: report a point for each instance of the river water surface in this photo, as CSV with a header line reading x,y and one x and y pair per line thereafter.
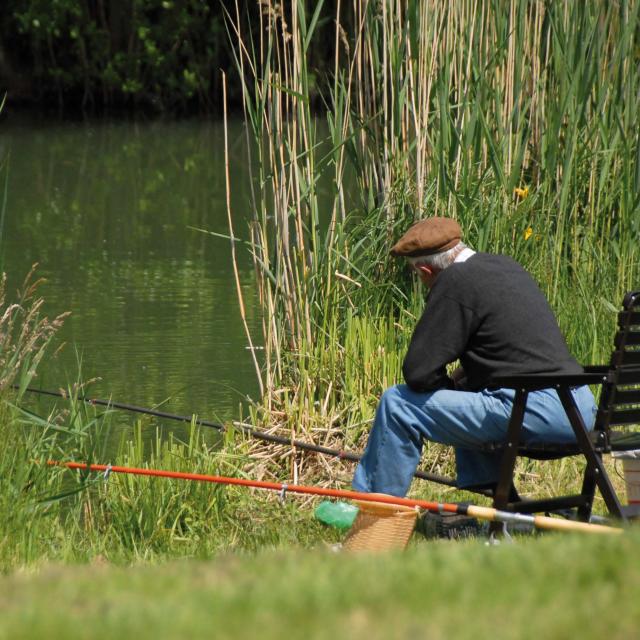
x,y
108,212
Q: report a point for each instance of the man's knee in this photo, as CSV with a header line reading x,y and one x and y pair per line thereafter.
x,y
396,411
391,395
394,400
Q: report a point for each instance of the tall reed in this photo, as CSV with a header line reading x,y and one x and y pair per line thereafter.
x,y
24,333
518,119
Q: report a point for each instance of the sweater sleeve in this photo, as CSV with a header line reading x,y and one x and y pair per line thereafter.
x,y
440,337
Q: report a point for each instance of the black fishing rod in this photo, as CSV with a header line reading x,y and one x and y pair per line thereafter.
x,y
250,431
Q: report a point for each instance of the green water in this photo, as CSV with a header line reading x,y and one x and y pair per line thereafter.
x,y
106,210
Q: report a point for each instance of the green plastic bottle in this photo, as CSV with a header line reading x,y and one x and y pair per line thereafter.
x,y
336,514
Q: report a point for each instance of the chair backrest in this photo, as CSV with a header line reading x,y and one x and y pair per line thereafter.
x,y
620,398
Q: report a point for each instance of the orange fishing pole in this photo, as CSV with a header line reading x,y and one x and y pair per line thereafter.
x,y
484,513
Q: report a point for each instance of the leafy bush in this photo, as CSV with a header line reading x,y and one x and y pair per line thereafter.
x,y
159,54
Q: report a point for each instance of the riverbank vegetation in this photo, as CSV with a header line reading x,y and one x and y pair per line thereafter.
x,y
518,119
137,56
158,55
50,514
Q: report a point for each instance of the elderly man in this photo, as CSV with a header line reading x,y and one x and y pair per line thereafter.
x,y
487,312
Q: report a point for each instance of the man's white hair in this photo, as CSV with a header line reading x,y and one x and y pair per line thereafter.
x,y
440,260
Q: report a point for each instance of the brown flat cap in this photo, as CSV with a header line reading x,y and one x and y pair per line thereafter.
x,y
427,237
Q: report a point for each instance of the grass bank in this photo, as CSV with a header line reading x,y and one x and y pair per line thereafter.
x,y
554,587
49,514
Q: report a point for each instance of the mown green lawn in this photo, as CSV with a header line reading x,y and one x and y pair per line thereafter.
x,y
555,586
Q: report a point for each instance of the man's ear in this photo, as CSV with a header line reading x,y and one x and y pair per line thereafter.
x,y
426,269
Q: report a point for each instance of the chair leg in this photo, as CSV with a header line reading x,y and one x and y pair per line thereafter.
x,y
595,468
588,491
508,463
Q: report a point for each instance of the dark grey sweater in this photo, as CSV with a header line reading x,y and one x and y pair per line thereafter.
x,y
489,313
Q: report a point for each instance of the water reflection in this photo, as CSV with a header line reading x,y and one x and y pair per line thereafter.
x,y
106,210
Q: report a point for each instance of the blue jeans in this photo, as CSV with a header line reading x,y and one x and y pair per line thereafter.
x,y
463,419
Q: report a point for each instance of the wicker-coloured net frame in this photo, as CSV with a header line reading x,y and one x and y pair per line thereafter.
x,y
380,527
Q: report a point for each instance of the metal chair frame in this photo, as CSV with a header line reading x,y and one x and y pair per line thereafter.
x,y
619,407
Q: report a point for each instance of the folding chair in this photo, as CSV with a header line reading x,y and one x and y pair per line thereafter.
x,y
618,412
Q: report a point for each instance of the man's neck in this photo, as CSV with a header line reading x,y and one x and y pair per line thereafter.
x,y
465,254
